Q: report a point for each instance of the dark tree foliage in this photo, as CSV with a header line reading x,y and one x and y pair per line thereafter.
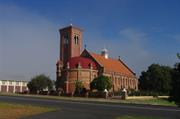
x,y
156,79
40,82
178,55
101,83
175,91
78,87
57,84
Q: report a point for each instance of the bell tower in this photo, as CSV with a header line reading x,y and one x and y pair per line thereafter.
x,y
70,42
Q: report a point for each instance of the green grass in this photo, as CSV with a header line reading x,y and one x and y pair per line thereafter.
x,y
151,101
15,111
137,117
154,101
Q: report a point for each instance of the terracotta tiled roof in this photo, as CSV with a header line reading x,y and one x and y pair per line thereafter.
x,y
113,65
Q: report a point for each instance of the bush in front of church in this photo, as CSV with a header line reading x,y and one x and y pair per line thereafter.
x,y
101,83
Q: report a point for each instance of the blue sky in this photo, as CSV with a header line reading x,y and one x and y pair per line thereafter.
x,y
141,32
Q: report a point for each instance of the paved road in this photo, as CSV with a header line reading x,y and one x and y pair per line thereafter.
x,y
84,110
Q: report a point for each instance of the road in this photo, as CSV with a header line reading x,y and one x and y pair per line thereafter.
x,y
85,110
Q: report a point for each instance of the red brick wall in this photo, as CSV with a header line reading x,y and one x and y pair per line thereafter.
x,y
82,75
71,87
72,49
76,48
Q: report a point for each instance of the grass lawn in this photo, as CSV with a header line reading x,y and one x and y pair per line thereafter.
x,y
151,101
137,117
15,111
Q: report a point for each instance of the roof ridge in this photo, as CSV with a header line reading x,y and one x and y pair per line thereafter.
x,y
95,59
126,66
105,58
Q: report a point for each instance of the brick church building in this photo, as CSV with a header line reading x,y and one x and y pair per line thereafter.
x,y
77,65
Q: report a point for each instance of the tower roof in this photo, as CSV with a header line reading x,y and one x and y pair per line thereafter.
x,y
71,26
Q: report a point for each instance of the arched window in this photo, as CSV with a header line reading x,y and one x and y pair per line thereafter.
x,y
76,39
66,39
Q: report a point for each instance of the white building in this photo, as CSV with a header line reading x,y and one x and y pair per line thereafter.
x,y
12,86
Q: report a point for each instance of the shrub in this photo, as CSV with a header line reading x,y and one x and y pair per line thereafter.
x,y
101,83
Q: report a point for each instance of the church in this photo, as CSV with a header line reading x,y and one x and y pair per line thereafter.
x,y
75,64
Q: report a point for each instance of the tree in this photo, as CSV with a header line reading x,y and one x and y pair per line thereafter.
x,y
101,83
178,55
57,84
156,79
78,86
39,83
174,93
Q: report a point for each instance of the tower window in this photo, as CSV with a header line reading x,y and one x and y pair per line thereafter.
x,y
76,39
66,39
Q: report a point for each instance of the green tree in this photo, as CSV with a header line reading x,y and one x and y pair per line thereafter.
x,y
57,84
101,83
178,55
40,82
174,93
156,79
79,86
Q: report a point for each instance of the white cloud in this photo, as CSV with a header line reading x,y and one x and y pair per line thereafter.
x,y
133,41
29,43
130,46
135,47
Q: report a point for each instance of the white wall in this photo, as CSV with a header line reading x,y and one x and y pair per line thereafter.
x,y
13,83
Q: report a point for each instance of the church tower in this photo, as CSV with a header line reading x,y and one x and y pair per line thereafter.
x,y
70,43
